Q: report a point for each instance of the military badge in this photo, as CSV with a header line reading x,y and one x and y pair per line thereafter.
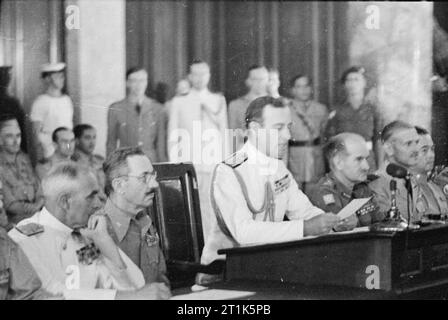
x,y
282,184
88,254
329,199
151,240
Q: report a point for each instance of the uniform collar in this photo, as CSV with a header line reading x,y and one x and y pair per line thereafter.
x,y
45,218
121,220
339,185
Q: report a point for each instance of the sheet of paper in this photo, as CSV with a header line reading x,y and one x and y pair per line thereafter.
x,y
214,294
352,207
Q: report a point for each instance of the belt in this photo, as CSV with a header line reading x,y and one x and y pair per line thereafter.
x,y
304,143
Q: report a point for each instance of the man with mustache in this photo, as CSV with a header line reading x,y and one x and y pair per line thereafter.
x,y
253,191
71,250
400,143
131,183
432,199
347,155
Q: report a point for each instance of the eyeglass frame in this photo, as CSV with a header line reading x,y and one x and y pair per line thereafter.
x,y
151,175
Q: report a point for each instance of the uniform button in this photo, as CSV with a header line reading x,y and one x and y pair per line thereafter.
x,y
140,129
140,143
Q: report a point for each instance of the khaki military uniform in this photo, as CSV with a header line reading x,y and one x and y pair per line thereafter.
x,y
431,199
18,280
364,121
94,162
331,195
306,160
126,127
20,185
138,238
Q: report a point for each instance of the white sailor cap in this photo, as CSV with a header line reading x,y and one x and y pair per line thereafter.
x,y
53,67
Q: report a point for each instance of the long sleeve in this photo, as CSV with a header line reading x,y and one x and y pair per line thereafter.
x,y
161,141
238,218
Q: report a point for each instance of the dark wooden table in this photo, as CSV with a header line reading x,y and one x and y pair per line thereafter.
x,y
409,264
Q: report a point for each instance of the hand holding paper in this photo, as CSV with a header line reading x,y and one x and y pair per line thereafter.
x,y
347,215
352,207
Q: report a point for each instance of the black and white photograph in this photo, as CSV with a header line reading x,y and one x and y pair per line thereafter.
x,y
232,151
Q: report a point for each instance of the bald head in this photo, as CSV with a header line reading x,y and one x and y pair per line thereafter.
x,y
347,155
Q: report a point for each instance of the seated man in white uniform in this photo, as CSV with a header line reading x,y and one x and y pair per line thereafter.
x,y
252,191
70,248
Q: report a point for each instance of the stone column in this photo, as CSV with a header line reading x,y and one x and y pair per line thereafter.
x,y
393,40
96,58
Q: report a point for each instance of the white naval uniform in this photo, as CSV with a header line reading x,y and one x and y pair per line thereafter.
x,y
52,112
197,133
52,253
255,168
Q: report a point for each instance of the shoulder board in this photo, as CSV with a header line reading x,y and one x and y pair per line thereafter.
x,y
236,159
30,229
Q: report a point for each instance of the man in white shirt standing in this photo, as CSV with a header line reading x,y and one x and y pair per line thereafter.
x,y
71,249
50,110
197,132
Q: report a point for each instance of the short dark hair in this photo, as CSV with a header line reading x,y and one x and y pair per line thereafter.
x,y
54,135
352,69
421,131
134,70
79,129
5,118
197,61
393,127
255,67
116,164
255,110
293,80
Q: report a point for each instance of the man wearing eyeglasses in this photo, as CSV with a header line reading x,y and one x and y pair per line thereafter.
x,y
64,144
130,186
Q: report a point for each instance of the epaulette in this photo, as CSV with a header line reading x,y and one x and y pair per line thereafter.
x,y
236,159
30,229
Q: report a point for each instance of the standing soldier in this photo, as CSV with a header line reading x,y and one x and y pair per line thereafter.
x,y
136,120
51,110
358,114
306,161
197,132
257,82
